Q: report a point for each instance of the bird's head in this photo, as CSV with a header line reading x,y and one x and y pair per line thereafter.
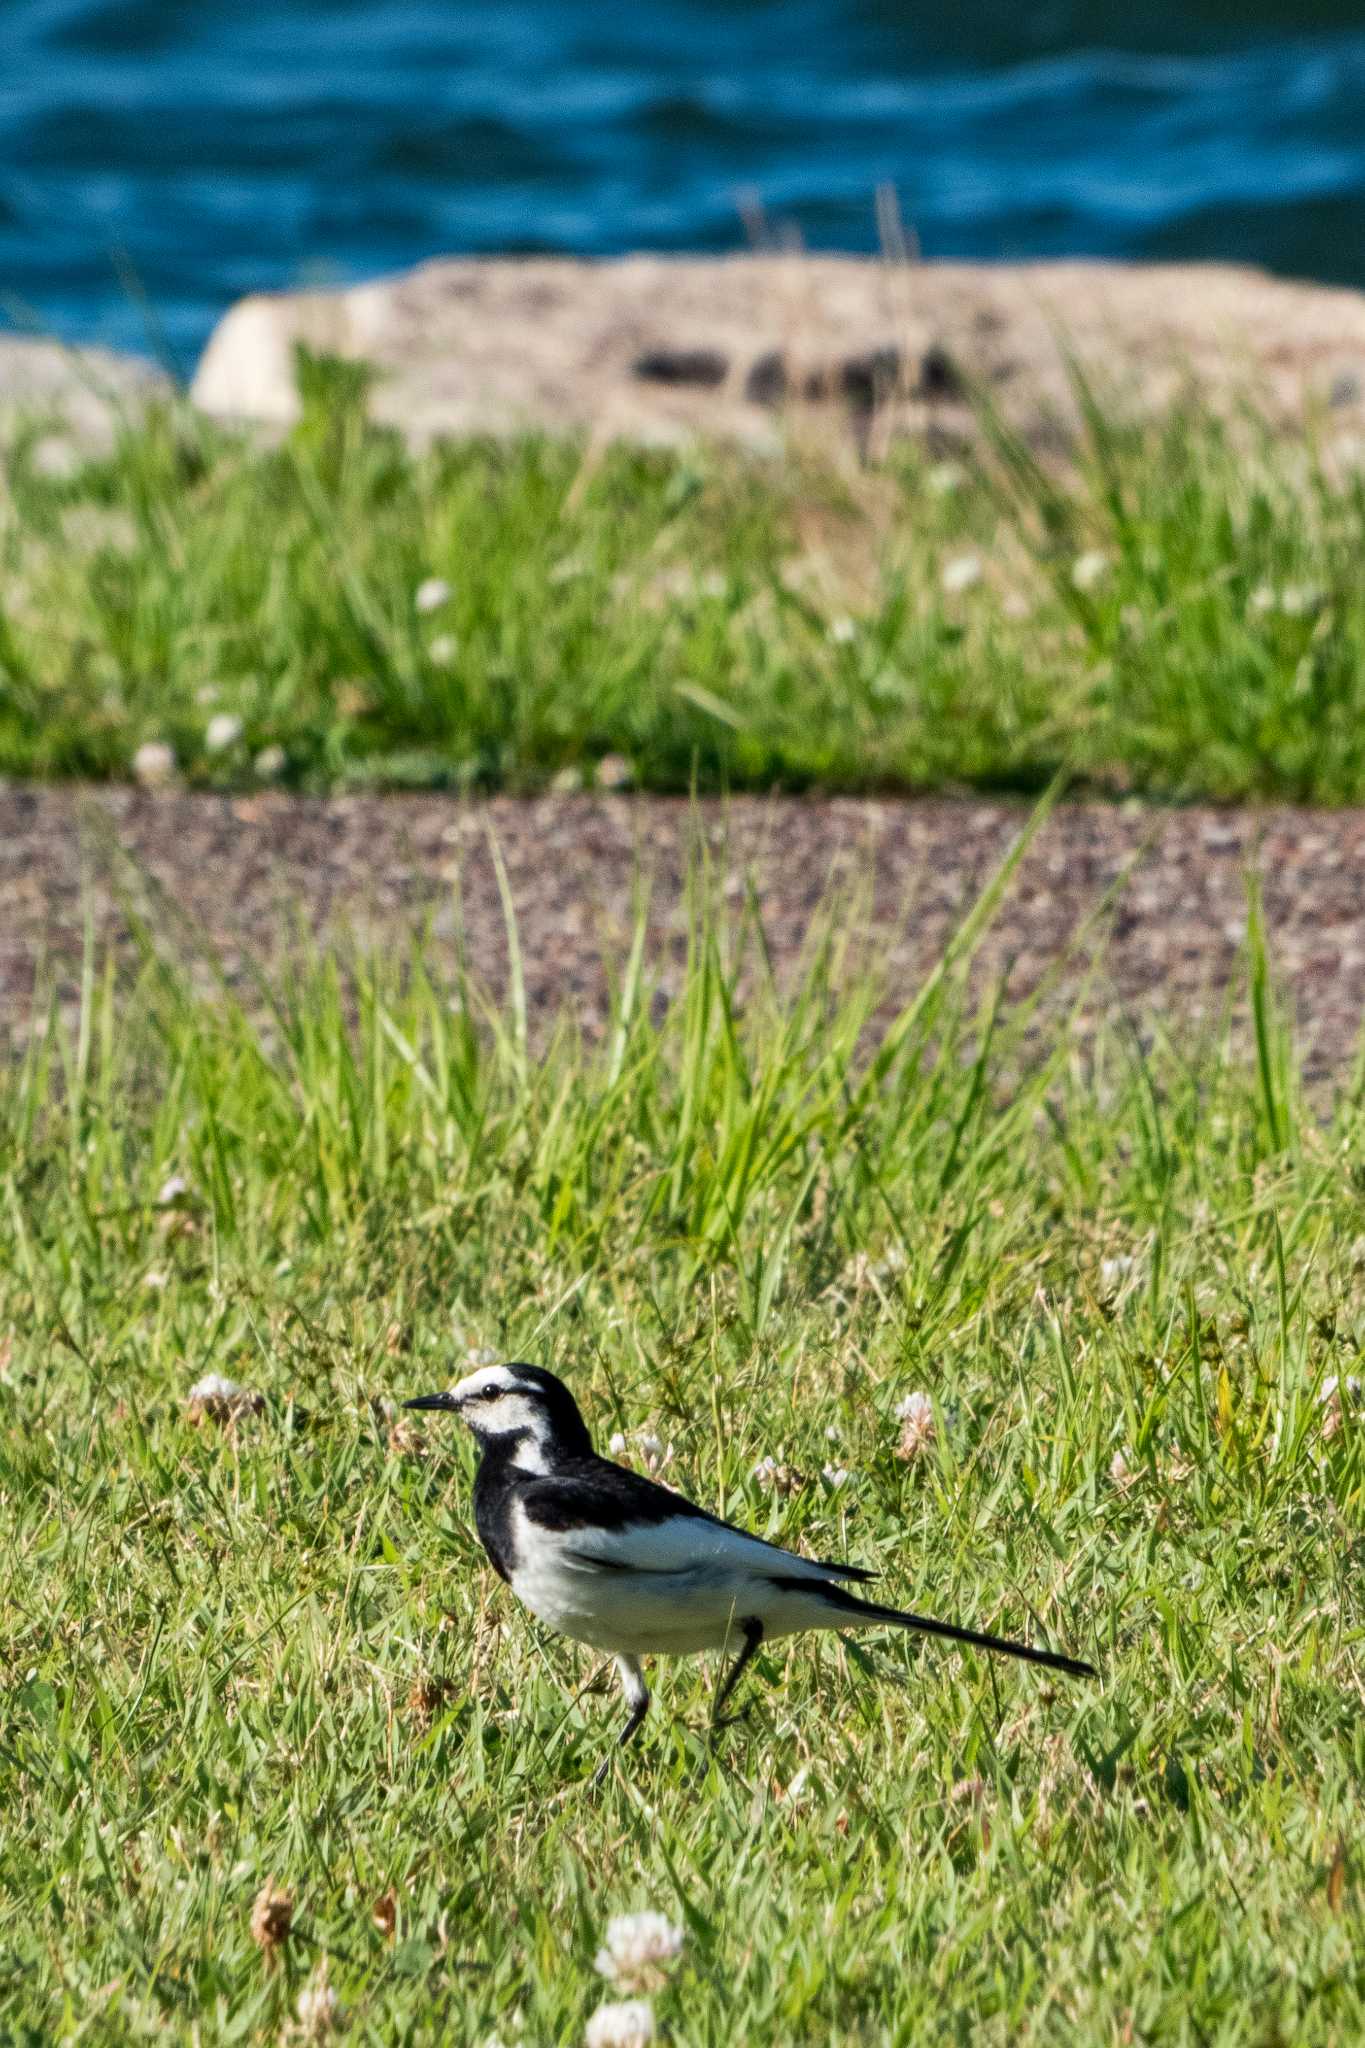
x,y
521,1408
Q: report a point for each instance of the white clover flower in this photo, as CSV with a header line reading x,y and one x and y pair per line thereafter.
x,y
945,478
1089,569
836,1475
843,632
319,2008
1262,598
653,1453
154,763
481,1354
961,573
55,458
1298,598
915,1415
1334,1397
173,1190
639,1949
775,1478
154,1282
270,763
432,593
628,2025
1114,1271
1121,1471
442,649
223,731
221,1399
215,1386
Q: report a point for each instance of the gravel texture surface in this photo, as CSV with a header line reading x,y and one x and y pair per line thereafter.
x,y
248,869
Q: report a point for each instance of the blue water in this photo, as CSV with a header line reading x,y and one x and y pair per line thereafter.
x,y
160,157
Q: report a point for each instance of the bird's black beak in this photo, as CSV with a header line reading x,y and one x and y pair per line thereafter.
x,y
439,1401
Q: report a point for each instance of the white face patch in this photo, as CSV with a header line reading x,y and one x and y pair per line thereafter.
x,y
483,1381
494,1405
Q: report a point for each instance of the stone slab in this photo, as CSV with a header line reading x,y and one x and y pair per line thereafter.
x,y
81,393
753,347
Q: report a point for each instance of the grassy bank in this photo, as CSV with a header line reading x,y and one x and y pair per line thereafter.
x,y
1183,616
269,1647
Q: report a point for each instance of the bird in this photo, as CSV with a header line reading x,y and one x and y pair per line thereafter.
x,y
614,1560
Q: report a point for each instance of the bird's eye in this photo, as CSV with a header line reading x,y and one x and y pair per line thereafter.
x,y
491,1394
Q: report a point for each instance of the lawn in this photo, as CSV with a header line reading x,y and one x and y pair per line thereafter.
x,y
1178,611
265,1649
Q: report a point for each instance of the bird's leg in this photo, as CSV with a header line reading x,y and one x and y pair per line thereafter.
x,y
752,1630
637,1699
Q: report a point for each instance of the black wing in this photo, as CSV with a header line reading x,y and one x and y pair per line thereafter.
x,y
597,1494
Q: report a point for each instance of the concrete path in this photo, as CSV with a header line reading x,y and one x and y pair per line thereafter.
x,y
248,869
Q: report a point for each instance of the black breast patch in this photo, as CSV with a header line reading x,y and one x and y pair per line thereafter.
x,y
495,1491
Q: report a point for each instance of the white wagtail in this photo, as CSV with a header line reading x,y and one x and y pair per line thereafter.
x,y
614,1560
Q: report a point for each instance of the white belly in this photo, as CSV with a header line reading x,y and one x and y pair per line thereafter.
x,y
616,1612
655,1613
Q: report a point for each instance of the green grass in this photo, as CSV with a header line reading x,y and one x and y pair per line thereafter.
x,y
1179,613
751,1223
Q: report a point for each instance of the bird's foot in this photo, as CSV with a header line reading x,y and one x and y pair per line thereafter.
x,y
724,1721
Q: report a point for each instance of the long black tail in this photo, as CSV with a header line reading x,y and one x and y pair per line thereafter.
x,y
871,1610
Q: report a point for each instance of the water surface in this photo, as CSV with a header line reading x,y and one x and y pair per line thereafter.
x,y
160,157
